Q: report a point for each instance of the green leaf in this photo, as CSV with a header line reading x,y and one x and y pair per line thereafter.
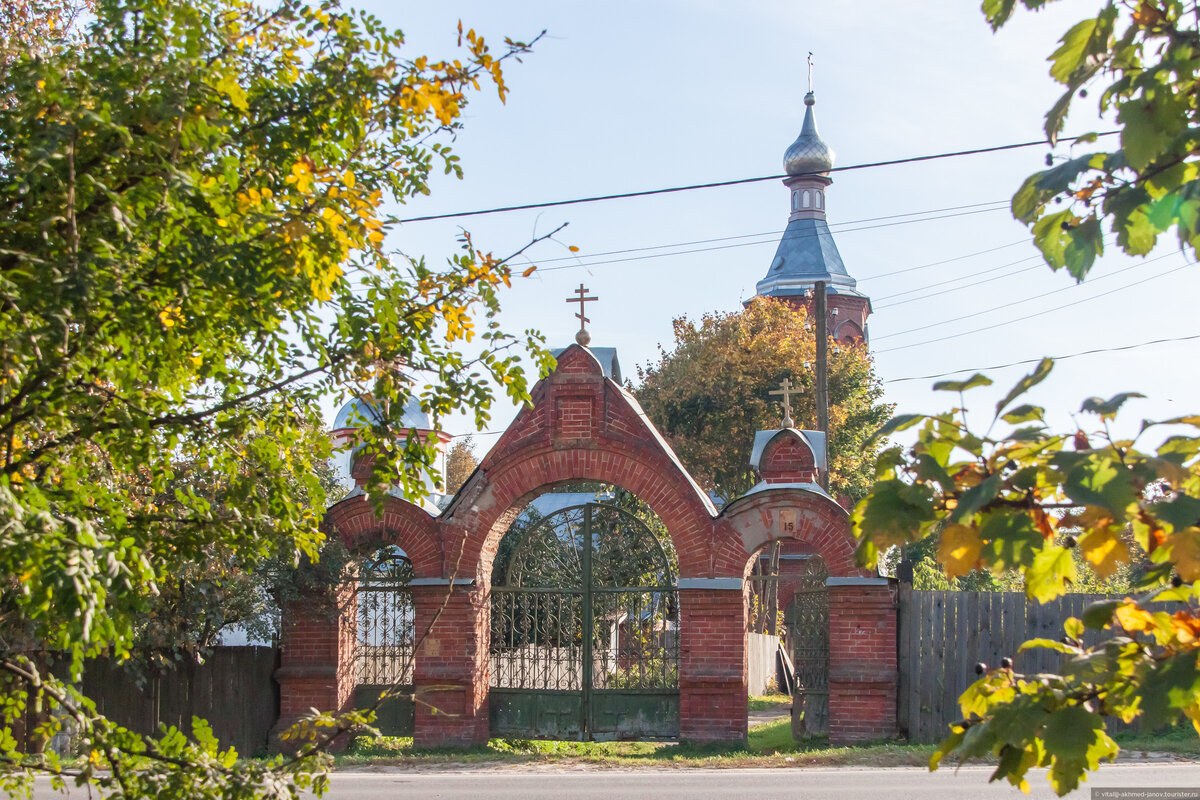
x,y
978,379
1084,242
1107,409
1099,479
1050,236
1012,541
1076,739
1052,570
1181,511
1167,688
1097,615
1024,413
997,12
1086,38
1137,233
893,513
977,497
1026,383
1048,644
899,423
1142,138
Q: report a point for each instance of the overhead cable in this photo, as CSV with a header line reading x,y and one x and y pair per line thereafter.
x,y
1023,362
742,181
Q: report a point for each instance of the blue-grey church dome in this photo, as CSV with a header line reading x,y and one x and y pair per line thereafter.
x,y
808,154
357,410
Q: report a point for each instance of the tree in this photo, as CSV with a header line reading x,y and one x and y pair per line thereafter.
x,y
192,212
461,461
1138,57
38,26
1019,497
710,395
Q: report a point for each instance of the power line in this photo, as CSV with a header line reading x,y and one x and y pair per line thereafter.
x,y
956,288
739,181
764,241
974,314
1056,358
944,261
1038,265
1021,363
628,250
1038,313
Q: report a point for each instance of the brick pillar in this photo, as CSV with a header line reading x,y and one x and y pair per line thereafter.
x,y
316,662
863,676
451,671
712,660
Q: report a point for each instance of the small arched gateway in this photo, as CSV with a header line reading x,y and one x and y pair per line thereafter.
x,y
583,426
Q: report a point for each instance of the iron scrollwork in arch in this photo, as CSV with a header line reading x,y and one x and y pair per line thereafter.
x,y
585,599
386,624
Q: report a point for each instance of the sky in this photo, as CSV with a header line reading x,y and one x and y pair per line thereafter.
x,y
629,96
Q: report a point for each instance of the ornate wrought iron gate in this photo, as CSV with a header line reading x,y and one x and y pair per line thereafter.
x,y
807,623
585,637
383,652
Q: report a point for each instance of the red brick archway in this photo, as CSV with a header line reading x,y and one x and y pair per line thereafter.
x,y
863,677
584,425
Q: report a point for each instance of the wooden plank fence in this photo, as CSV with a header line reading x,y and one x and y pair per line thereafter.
x,y
944,634
234,689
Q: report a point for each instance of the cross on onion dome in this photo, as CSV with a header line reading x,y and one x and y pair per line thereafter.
x,y
583,337
785,389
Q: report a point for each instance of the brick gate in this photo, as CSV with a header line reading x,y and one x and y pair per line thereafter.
x,y
584,426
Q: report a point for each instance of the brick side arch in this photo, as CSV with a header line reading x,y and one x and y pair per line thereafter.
x,y
361,526
751,521
582,426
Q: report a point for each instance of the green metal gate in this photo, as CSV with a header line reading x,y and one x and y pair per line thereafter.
x,y
383,652
807,625
585,635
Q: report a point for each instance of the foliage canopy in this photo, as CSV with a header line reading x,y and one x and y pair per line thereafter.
x,y
1019,497
1139,60
192,255
711,394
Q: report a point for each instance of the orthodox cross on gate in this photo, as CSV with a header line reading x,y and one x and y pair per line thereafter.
x,y
785,389
583,337
810,65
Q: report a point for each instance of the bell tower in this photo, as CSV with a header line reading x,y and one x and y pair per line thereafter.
x,y
807,252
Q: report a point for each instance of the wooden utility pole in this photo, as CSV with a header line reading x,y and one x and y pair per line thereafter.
x,y
820,312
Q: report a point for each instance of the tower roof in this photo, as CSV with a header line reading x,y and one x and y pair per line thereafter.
x,y
808,154
806,254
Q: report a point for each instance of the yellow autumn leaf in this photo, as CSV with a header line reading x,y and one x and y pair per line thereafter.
x,y
958,550
229,87
1104,550
1184,549
1133,617
348,179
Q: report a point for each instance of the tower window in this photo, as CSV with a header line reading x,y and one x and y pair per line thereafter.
x,y
820,199
807,201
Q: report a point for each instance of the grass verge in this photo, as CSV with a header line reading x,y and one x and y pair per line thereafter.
x,y
769,702
768,745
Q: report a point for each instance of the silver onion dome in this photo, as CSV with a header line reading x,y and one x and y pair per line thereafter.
x,y
808,154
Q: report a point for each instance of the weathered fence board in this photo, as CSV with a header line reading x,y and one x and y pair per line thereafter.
x,y
234,689
944,634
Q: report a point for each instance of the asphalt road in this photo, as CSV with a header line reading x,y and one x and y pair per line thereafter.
x,y
538,783
754,784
